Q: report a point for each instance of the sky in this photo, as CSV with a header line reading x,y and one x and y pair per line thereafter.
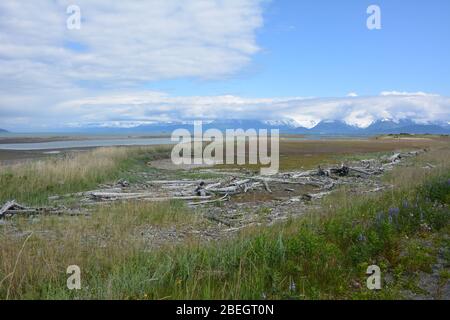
x,y
135,62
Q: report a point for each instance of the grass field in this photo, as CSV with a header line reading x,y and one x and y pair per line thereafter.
x,y
32,182
322,255
310,153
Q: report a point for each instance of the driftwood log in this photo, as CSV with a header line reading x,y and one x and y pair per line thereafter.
x,y
12,208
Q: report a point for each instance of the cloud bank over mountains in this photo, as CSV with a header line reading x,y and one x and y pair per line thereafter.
x,y
147,107
137,108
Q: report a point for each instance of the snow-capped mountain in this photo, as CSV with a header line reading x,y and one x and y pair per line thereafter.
x,y
291,123
324,127
335,127
405,126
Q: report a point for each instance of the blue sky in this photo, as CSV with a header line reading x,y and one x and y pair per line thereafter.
x,y
140,61
323,48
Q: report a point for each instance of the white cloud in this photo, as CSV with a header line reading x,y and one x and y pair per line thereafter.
x,y
403,93
130,40
352,94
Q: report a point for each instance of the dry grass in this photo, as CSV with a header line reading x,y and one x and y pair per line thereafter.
x,y
418,172
40,249
33,182
308,154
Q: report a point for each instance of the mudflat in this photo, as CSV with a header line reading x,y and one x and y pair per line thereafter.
x,y
8,140
18,156
18,139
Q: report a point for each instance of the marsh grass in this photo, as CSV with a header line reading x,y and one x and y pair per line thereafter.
x,y
308,154
33,182
97,243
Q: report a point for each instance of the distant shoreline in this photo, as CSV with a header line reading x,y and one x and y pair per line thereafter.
x,y
18,139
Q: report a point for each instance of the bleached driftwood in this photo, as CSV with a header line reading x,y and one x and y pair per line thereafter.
x,y
146,196
315,196
266,186
10,205
157,182
236,187
12,208
224,198
293,182
394,158
212,186
361,171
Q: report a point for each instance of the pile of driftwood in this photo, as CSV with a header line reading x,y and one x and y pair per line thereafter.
x,y
320,182
323,180
12,208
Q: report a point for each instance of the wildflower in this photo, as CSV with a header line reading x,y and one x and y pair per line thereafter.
x,y
393,214
361,237
394,211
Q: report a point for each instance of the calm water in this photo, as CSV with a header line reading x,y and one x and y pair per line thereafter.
x,y
115,140
85,143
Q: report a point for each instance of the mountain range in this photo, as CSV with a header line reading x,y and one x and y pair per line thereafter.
x,y
326,127
3,130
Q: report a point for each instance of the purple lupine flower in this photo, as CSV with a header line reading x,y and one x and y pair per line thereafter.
x,y
393,214
393,211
